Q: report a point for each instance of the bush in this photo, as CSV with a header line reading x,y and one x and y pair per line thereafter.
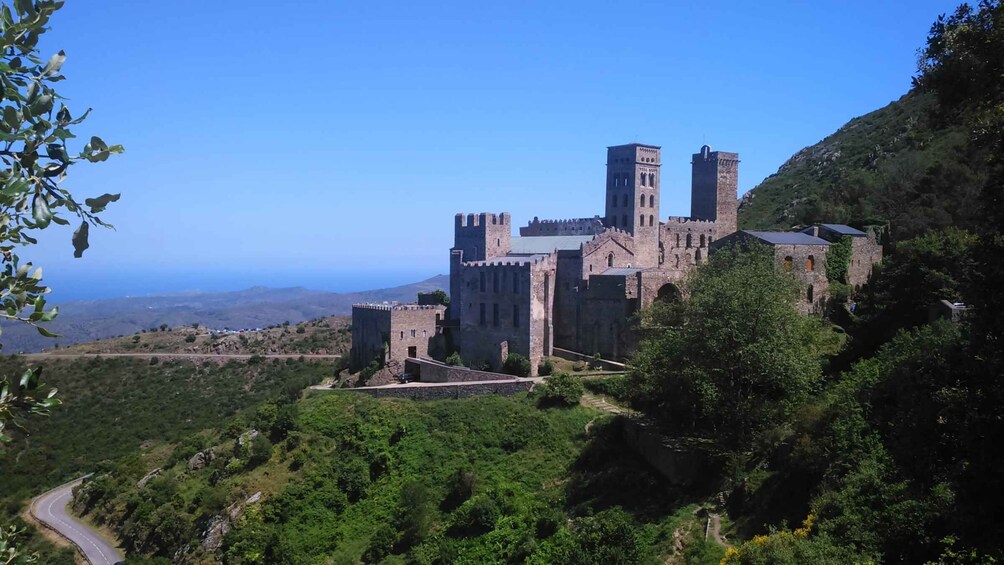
x,y
614,387
454,360
561,389
517,365
546,368
477,516
261,450
301,330
188,338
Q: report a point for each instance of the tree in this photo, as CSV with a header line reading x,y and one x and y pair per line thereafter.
x,y
35,139
736,357
561,389
516,365
35,130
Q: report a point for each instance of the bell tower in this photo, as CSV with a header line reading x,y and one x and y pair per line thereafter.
x,y
715,188
633,197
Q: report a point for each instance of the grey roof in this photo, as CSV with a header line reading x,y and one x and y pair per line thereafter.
x,y
532,245
620,271
787,238
843,230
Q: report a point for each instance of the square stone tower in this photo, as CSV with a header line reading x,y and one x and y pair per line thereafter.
x,y
715,189
633,197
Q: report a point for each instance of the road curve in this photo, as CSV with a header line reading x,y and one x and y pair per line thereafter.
x,y
50,509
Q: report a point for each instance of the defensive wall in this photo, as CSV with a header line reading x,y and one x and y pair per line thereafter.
x,y
429,371
574,226
446,391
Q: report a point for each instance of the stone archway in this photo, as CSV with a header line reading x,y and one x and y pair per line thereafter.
x,y
668,292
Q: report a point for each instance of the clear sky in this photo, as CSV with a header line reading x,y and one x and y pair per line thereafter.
x,y
328,144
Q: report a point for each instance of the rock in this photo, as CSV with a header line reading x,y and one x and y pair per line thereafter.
x,y
253,498
146,478
246,437
201,459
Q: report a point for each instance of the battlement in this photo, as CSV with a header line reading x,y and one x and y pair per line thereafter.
x,y
573,226
681,220
615,234
510,262
482,219
397,307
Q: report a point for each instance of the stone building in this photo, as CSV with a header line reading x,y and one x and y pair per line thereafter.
x,y
385,332
577,283
866,251
798,253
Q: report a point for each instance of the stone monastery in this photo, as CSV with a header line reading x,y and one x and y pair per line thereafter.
x,y
575,284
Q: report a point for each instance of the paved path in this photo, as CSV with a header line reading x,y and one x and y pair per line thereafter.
x,y
38,356
50,509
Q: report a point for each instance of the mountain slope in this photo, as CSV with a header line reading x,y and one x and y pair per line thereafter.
x,y
251,308
900,164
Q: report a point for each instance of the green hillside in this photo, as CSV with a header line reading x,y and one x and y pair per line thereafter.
x,y
903,164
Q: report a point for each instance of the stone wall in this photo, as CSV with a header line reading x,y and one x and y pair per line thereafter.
x,y
866,252
370,330
435,372
714,189
808,264
576,226
680,463
445,392
614,248
684,243
507,306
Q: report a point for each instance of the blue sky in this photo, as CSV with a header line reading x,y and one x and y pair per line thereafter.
x,y
329,144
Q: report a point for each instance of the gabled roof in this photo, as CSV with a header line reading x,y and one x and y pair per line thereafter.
x,y
843,230
620,271
786,237
532,245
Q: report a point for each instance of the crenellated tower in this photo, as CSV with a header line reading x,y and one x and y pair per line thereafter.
x,y
715,189
476,237
632,197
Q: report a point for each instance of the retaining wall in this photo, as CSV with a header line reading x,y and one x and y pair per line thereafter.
x,y
446,392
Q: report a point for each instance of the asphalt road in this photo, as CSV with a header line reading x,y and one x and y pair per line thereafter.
x,y
50,508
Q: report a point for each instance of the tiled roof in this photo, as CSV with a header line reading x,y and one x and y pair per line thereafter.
x,y
787,238
532,245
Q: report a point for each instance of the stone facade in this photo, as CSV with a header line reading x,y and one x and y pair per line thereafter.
x,y
385,332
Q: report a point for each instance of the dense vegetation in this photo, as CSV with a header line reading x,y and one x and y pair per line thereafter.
x,y
122,407
484,480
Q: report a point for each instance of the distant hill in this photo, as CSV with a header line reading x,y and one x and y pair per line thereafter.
x,y
257,307
905,164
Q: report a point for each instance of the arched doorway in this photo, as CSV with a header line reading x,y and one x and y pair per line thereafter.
x,y
668,292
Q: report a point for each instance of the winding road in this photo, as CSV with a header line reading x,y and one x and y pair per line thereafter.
x,y
50,509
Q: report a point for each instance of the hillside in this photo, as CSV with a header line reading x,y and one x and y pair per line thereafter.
x,y
324,336
257,307
899,164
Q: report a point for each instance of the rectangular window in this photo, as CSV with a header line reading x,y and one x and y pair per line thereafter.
x,y
402,335
482,273
495,314
515,316
482,317
412,333
515,283
495,281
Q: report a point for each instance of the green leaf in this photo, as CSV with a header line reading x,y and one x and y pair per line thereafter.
x,y
98,204
45,332
11,119
40,211
55,62
80,240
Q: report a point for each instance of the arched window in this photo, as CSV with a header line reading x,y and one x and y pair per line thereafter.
x,y
690,241
787,264
651,220
641,220
643,179
808,294
641,201
697,255
702,240
651,201
610,260
810,264
651,179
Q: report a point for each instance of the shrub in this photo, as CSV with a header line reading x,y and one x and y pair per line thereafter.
x,y
261,450
596,362
301,330
546,368
517,365
454,360
477,516
188,338
561,389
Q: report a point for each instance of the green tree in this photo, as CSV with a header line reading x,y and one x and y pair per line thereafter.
x,y
35,138
561,389
736,357
516,365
